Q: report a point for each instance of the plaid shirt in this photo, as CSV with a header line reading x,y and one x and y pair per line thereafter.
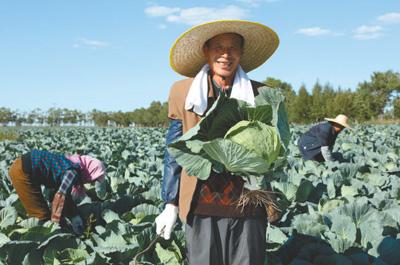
x,y
51,168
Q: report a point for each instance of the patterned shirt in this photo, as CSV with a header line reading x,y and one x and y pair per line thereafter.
x,y
51,169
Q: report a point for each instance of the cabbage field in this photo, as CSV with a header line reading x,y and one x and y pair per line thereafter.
x,y
333,213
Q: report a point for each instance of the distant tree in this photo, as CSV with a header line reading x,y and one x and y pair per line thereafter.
x,y
301,106
100,118
6,116
381,86
364,106
318,106
19,118
54,116
34,116
344,103
329,94
70,116
120,118
396,108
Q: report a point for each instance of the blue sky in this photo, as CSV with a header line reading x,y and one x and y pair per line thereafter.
x,y
113,55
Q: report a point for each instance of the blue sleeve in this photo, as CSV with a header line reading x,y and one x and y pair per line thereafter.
x,y
172,171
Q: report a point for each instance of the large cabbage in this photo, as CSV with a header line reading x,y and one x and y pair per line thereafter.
x,y
257,137
236,137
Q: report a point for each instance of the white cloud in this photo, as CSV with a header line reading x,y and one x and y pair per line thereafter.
x,y
160,11
368,32
255,3
314,31
390,18
90,43
197,15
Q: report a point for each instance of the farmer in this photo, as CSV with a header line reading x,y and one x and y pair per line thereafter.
x,y
216,57
317,143
64,173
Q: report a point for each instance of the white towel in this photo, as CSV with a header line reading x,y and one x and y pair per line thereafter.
x,y
198,92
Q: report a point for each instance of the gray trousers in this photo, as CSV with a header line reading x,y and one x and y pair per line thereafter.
x,y
214,240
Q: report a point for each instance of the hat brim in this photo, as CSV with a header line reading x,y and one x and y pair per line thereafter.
x,y
186,54
340,123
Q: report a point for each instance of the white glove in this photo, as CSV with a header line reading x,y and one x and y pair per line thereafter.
x,y
166,220
77,225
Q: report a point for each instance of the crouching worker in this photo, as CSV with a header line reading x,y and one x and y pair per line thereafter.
x,y
66,174
317,143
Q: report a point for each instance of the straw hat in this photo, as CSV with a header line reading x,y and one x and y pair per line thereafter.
x,y
186,54
341,120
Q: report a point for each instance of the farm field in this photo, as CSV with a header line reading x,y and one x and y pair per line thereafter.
x,y
333,213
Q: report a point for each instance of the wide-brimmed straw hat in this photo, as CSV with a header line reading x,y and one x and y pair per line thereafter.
x,y
341,120
187,57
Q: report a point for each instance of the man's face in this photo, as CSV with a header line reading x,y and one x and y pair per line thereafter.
x,y
223,53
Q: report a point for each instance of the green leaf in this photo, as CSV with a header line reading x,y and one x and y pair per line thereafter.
x,y
275,235
3,239
145,213
194,164
34,257
15,251
262,113
371,235
309,224
275,98
166,256
37,234
287,188
110,216
304,190
8,216
358,211
345,229
329,205
73,256
235,158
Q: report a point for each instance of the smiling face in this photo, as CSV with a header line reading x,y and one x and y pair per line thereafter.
x,y
223,53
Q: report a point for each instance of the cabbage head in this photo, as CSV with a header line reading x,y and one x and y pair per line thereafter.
x,y
257,137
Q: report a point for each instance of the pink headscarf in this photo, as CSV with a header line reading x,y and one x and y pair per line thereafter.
x,y
92,169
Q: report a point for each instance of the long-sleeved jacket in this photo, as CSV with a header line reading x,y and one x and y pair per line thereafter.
x,y
320,135
187,184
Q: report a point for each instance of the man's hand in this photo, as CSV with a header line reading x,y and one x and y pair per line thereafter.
x,y
273,214
57,206
166,220
273,211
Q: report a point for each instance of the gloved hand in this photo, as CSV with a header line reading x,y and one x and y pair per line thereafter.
x,y
57,206
101,188
77,225
166,220
78,194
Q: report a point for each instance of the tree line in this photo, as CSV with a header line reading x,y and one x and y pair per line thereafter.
x,y
377,98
